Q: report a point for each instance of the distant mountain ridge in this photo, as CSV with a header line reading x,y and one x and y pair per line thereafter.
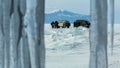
x,y
64,15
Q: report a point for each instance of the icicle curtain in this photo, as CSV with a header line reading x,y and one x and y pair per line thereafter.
x,y
22,34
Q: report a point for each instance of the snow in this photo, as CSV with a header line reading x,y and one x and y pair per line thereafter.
x,y
54,11
69,47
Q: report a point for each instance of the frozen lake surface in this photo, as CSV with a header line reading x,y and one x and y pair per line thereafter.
x,y
69,47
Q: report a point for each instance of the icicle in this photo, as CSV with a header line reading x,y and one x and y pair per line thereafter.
x,y
6,31
98,34
112,23
1,36
14,33
24,47
34,19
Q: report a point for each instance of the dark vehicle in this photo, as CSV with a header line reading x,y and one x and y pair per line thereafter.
x,y
60,24
83,23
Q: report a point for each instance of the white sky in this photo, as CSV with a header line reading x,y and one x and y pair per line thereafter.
x,y
77,6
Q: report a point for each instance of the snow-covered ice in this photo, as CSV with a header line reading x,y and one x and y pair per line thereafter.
x,y
69,47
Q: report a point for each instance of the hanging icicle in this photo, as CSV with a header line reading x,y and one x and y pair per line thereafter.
x,y
98,34
14,34
6,31
112,23
34,19
24,47
1,36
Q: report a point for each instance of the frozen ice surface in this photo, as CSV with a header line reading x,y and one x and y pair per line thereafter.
x,y
69,48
